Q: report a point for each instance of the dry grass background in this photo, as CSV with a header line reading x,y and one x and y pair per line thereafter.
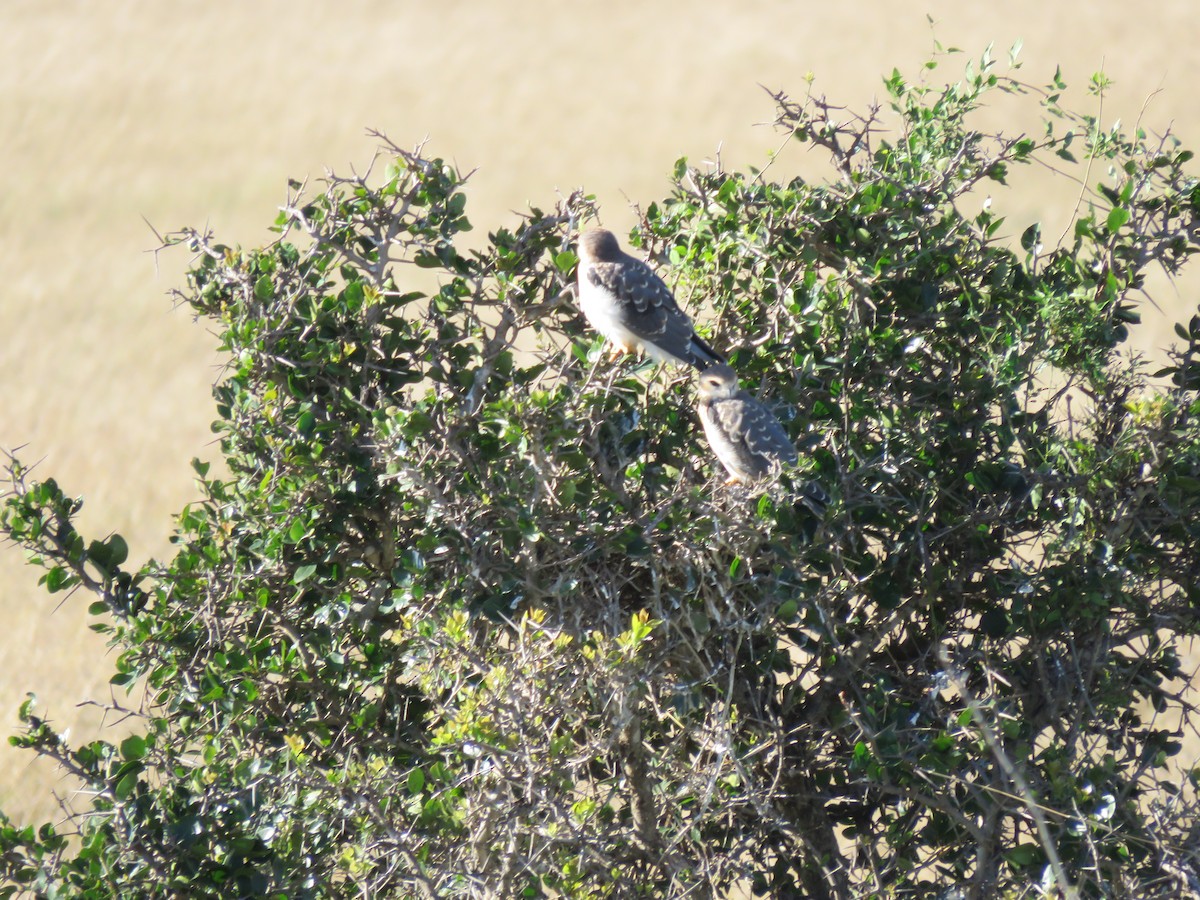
x,y
191,113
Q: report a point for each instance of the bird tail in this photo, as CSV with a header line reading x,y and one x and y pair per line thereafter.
x,y
702,355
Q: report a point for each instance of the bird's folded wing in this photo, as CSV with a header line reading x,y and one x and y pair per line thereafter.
x,y
761,432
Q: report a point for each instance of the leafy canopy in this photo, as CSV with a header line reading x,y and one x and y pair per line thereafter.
x,y
466,609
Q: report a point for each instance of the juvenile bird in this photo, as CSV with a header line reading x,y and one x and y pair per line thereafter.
x,y
744,434
631,306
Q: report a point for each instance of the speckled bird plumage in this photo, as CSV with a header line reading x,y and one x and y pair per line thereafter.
x,y
631,306
744,434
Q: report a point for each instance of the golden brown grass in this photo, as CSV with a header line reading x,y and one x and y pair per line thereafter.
x,y
194,113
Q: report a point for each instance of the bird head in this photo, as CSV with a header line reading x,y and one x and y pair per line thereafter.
x,y
718,383
599,245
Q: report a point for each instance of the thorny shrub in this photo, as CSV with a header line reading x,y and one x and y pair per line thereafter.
x,y
467,610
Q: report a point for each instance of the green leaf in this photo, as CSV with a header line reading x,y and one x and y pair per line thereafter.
x,y
133,747
1117,217
1024,855
97,552
118,550
56,579
416,781
727,192
126,786
264,289
303,573
109,554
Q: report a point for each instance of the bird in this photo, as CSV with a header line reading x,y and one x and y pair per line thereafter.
x,y
744,434
633,308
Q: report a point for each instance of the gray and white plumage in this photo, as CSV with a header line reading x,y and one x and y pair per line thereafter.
x,y
744,434
631,306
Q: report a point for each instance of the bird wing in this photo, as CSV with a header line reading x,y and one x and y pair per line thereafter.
x,y
759,431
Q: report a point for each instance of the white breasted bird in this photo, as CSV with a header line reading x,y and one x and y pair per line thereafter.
x,y
631,306
744,434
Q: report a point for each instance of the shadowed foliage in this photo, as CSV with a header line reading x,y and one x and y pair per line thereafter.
x,y
468,610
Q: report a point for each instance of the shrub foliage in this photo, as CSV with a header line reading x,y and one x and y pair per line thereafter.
x,y
466,609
